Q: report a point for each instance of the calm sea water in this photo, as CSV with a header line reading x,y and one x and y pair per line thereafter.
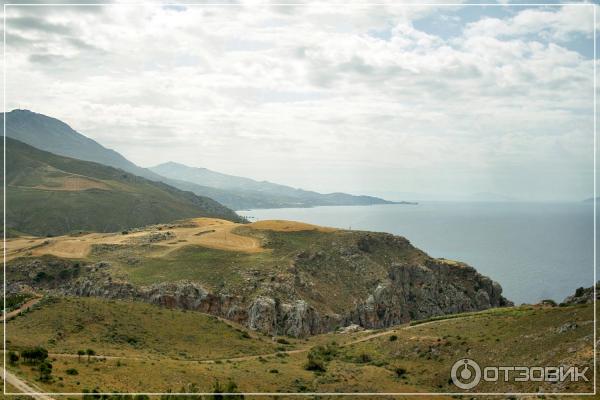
x,y
534,250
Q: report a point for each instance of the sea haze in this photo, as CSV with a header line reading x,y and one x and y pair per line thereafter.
x,y
534,250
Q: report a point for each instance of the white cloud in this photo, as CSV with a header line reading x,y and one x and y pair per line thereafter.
x,y
556,23
274,92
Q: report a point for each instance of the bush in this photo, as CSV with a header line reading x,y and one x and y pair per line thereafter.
x,y
282,341
231,387
393,338
274,371
314,364
318,356
13,357
72,371
400,372
549,302
364,358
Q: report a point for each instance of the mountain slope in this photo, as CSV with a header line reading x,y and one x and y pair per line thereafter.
x,y
51,194
249,193
53,135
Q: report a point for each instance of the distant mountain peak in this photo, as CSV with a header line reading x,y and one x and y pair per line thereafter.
x,y
173,164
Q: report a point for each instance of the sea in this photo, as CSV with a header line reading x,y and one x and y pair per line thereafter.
x,y
536,251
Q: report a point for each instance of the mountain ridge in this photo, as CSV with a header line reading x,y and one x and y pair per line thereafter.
x,y
48,194
55,136
250,191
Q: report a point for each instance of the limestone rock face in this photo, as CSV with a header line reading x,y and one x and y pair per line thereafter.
x,y
419,292
262,314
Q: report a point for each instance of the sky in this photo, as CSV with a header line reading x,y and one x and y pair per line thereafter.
x,y
400,101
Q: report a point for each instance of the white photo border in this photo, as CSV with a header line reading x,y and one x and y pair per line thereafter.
x,y
541,394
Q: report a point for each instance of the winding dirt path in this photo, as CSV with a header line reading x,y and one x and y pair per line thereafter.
x,y
25,387
27,305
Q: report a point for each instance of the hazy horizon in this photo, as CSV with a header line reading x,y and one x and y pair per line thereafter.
x,y
387,100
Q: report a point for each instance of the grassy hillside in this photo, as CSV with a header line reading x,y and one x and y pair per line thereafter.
x,y
152,349
49,194
129,329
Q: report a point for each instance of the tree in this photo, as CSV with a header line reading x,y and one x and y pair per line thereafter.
x,y
90,353
45,369
13,357
35,355
79,354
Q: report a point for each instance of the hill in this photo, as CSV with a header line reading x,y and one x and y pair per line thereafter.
x,y
278,277
52,135
146,348
48,194
243,193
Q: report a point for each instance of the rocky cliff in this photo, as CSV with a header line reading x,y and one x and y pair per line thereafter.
x,y
291,303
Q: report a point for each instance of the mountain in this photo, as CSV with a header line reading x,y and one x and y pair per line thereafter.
x,y
55,136
52,135
48,194
243,193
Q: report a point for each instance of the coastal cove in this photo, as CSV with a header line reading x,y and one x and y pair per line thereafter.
x,y
535,251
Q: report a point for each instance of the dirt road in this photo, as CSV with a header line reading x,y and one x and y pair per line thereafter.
x,y
25,387
27,305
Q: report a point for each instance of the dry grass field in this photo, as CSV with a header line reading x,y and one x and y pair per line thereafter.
x,y
206,232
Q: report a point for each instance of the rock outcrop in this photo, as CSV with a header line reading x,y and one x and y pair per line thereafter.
x,y
423,291
409,292
582,296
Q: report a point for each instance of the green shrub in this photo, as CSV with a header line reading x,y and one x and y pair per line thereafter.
x,y
13,357
72,371
45,369
393,338
318,356
35,354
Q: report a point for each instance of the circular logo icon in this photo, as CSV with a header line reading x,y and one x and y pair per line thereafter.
x,y
466,374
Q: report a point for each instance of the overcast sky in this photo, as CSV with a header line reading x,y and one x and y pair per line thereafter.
x,y
383,100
